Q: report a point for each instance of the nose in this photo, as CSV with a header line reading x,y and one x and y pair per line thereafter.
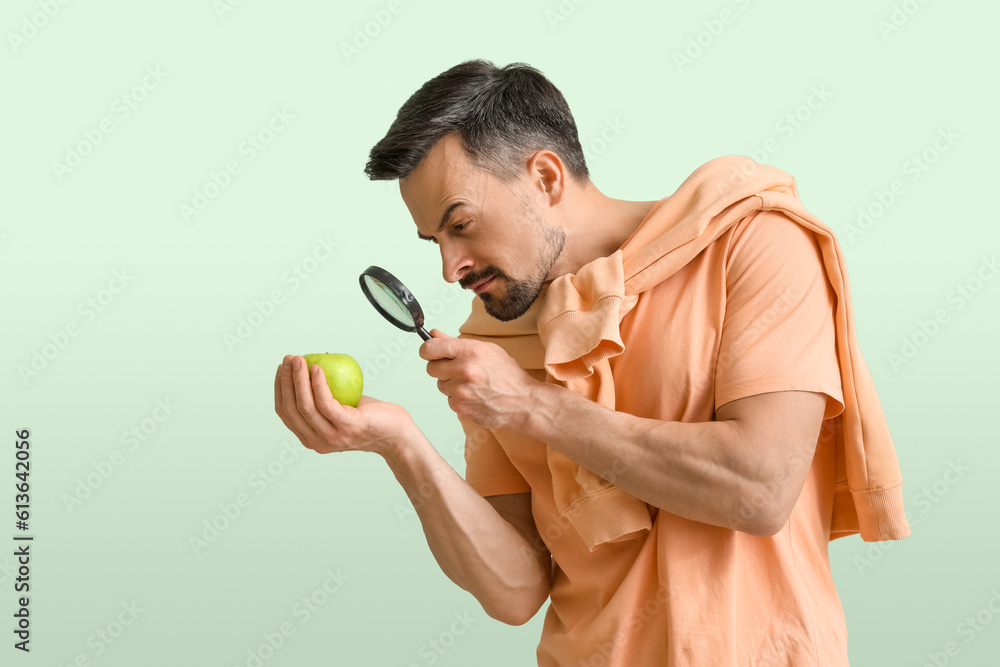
x,y
455,262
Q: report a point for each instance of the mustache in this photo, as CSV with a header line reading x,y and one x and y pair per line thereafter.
x,y
473,279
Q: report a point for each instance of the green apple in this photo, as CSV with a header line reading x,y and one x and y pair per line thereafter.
x,y
343,375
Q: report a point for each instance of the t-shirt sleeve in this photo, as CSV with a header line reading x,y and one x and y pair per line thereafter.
x,y
779,329
488,469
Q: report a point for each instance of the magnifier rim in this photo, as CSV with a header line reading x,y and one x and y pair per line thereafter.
x,y
399,290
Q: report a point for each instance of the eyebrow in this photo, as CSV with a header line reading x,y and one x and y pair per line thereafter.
x,y
444,219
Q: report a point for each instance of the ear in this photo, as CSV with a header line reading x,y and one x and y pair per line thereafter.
x,y
548,175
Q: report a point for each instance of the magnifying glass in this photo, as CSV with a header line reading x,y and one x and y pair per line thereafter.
x,y
391,298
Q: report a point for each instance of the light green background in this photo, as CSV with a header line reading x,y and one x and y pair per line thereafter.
x,y
162,336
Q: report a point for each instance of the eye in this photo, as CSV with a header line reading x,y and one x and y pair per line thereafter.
x,y
460,226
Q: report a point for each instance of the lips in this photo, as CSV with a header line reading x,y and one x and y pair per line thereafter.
x,y
481,287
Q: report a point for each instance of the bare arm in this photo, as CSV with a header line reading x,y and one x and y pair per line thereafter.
x,y
477,548
706,471
743,471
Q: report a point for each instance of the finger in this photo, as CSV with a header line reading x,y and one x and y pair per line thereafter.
x,y
330,412
445,387
287,420
303,388
440,369
437,333
277,395
438,348
429,349
290,401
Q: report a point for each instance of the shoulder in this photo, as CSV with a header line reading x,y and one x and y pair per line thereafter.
x,y
771,236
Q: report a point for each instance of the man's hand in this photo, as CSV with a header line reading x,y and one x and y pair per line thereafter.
x,y
482,382
307,407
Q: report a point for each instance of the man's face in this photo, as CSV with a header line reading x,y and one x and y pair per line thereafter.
x,y
492,236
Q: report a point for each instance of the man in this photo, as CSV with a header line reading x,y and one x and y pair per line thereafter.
x,y
651,392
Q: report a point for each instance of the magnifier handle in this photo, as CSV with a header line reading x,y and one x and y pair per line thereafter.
x,y
423,333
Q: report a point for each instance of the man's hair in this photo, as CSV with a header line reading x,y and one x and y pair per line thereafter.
x,y
503,116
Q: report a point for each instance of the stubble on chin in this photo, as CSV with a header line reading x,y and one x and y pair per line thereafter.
x,y
519,295
517,299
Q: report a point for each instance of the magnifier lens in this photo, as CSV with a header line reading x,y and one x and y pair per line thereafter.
x,y
389,301
391,298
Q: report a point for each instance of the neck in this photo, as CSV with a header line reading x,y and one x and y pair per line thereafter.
x,y
596,226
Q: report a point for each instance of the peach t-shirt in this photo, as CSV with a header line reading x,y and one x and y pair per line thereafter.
x,y
752,313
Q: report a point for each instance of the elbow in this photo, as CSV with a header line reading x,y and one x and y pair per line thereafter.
x,y
765,520
517,609
505,617
512,616
768,524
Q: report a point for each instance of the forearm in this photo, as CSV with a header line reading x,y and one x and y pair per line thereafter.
x,y
475,547
693,470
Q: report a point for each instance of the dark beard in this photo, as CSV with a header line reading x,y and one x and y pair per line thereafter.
x,y
520,294
518,299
